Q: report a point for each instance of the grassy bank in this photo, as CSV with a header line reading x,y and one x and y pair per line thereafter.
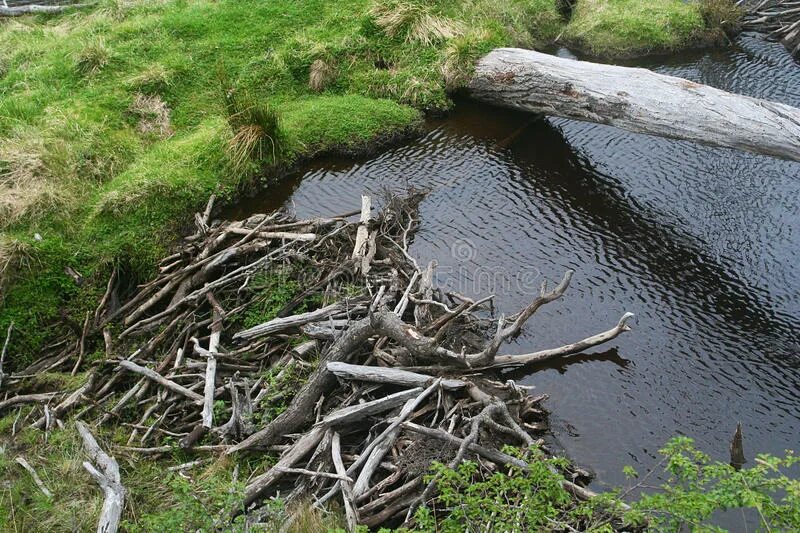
x,y
117,122
629,28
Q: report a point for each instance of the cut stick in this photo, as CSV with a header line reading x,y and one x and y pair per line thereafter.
x,y
283,235
350,512
362,234
211,369
27,398
5,350
393,376
358,412
567,349
161,380
107,477
410,406
36,479
280,324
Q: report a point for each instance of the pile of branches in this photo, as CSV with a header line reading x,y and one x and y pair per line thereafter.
x,y
398,373
779,19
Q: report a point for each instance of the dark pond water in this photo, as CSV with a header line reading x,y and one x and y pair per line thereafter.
x,y
701,243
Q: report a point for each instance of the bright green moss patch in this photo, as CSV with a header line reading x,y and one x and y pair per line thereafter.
x,y
621,28
344,123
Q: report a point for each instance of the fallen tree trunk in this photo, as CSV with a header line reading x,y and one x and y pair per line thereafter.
x,y
637,100
31,9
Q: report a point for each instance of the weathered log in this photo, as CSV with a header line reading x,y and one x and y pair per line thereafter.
x,y
637,100
18,11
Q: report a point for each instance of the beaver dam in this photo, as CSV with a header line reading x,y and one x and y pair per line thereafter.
x,y
392,373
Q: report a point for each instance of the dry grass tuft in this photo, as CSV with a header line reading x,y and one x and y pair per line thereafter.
x,y
414,22
14,255
153,115
320,75
25,190
93,57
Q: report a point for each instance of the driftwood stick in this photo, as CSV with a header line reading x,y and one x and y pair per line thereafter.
x,y
410,406
4,351
350,511
567,349
107,476
161,380
27,398
211,369
36,479
393,376
359,412
360,248
279,324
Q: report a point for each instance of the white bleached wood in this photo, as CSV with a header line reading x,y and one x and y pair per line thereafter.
x,y
36,479
161,380
359,412
280,324
362,234
637,100
106,474
351,515
567,349
394,376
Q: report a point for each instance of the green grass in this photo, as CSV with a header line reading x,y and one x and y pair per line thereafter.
x,y
626,28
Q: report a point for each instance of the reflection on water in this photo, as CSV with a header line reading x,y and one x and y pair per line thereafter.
x,y
701,243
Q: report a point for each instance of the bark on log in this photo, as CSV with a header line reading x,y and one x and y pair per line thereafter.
x,y
637,100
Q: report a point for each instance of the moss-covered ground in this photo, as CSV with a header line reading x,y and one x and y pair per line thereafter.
x,y
117,121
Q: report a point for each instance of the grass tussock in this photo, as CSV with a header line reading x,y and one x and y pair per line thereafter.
x,y
257,134
320,75
153,79
93,57
26,191
724,15
153,116
414,22
14,256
